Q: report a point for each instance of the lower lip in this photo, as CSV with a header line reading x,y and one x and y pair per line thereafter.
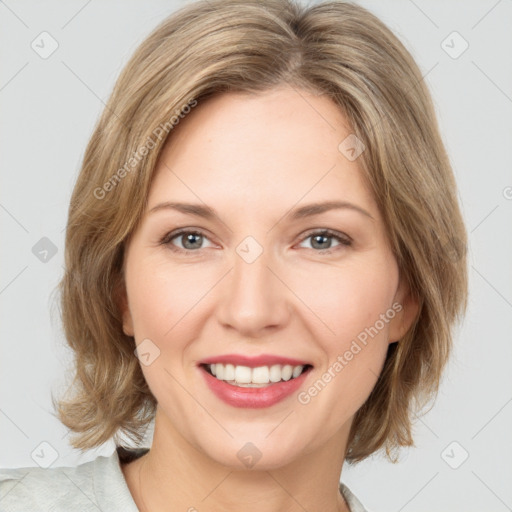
x,y
253,398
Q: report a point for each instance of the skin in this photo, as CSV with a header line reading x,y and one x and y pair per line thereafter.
x,y
253,158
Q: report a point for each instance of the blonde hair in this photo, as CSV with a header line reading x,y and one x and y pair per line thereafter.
x,y
338,49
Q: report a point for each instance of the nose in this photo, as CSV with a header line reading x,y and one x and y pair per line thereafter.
x,y
254,298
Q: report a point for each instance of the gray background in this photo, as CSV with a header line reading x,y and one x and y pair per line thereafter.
x,y
49,107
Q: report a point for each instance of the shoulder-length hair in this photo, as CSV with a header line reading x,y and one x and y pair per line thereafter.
x,y
337,49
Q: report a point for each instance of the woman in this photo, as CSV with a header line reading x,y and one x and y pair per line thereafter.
x,y
265,255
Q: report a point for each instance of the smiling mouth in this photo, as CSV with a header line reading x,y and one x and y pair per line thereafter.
x,y
260,376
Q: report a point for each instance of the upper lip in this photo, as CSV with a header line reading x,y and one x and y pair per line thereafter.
x,y
253,362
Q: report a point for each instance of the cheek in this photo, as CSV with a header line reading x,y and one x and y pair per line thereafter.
x,y
162,298
347,299
168,308
162,307
353,308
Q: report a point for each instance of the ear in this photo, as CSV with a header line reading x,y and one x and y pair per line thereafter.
x,y
122,303
406,306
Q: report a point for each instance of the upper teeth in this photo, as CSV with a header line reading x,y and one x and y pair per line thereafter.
x,y
258,375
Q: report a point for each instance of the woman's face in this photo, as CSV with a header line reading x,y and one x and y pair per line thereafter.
x,y
253,275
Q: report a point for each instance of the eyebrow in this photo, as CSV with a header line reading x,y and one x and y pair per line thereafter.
x,y
308,210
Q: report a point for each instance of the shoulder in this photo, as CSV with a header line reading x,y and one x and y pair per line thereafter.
x,y
91,486
35,488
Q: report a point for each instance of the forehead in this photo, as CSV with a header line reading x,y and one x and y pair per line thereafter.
x,y
279,147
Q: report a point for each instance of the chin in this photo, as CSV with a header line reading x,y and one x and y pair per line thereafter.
x,y
250,457
254,452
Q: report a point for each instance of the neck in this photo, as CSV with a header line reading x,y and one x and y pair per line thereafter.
x,y
176,472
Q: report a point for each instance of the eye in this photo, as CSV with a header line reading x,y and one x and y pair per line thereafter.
x,y
323,240
190,240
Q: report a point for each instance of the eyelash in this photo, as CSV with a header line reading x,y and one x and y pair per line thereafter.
x,y
343,239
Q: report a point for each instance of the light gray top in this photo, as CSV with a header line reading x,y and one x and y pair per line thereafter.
x,y
91,486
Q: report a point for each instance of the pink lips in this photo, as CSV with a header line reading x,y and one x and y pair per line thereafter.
x,y
249,397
